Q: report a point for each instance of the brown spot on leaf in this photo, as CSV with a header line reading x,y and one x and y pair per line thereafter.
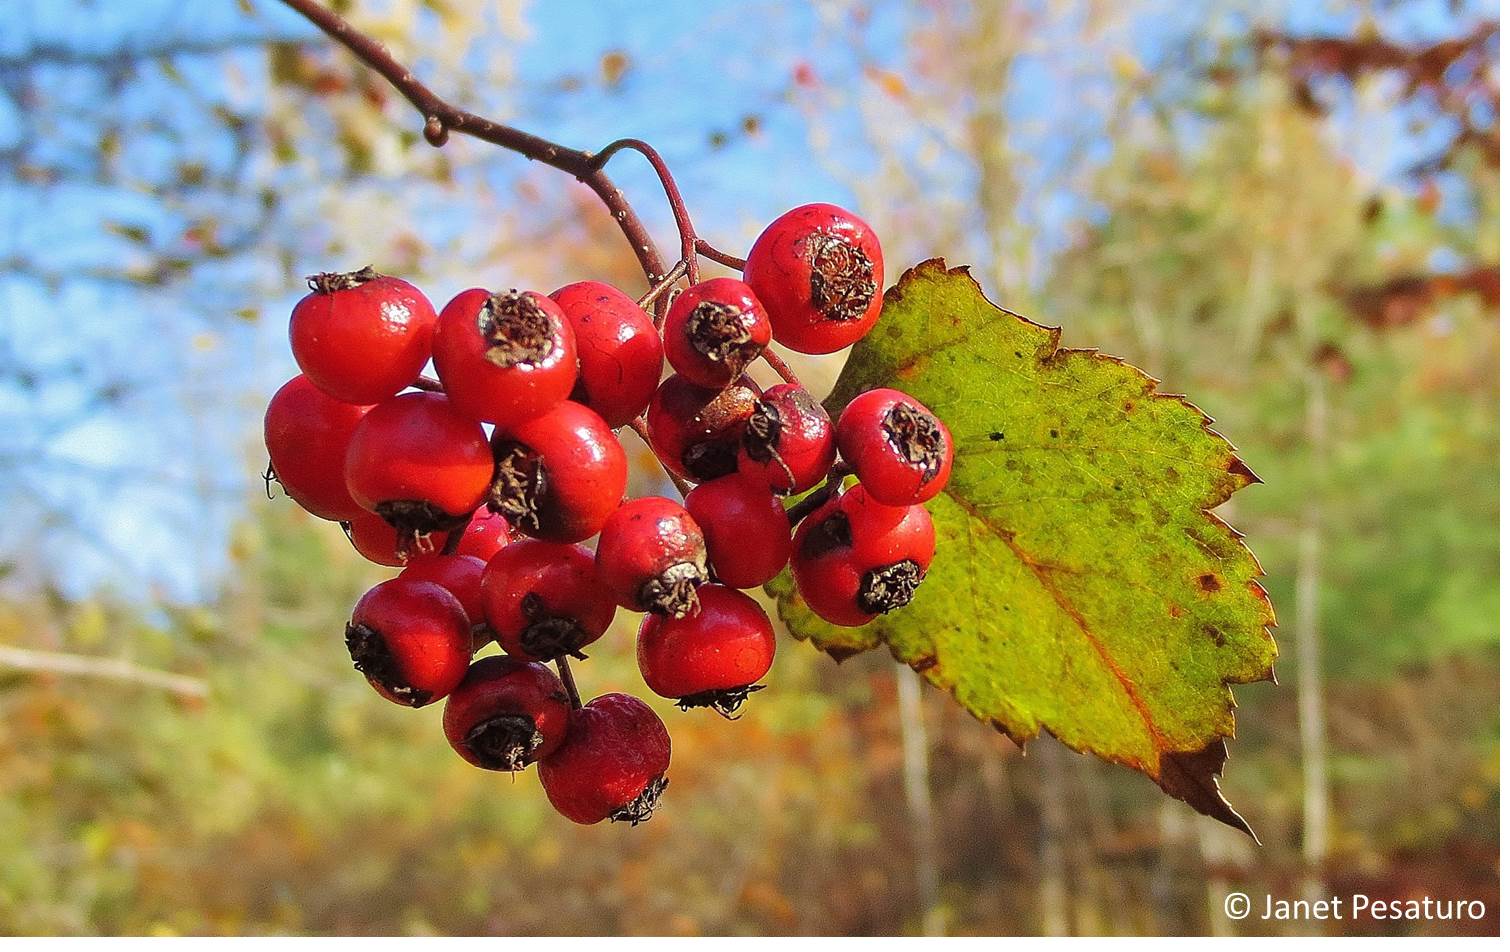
x,y
924,663
1176,611
1215,634
1208,583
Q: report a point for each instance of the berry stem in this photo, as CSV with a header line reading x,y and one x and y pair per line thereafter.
x,y
428,384
569,681
815,499
441,117
641,430
660,288
673,195
722,257
780,366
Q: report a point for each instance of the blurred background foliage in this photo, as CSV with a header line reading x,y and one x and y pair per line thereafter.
x,y
1288,211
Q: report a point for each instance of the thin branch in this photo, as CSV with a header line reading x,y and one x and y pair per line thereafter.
x,y
110,669
780,366
673,192
642,430
722,257
441,117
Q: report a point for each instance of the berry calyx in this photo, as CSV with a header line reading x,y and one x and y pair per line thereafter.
x,y
307,432
745,529
695,431
411,640
788,442
901,452
418,463
361,337
507,714
618,350
543,599
651,557
612,764
504,357
710,659
818,271
855,558
558,476
714,329
461,575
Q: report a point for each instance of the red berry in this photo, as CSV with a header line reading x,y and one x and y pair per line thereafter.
x,y
818,271
902,453
506,714
361,337
855,558
745,529
711,659
485,535
461,575
419,464
618,350
612,764
411,639
695,431
506,357
788,443
375,540
307,433
559,476
713,330
544,600
651,556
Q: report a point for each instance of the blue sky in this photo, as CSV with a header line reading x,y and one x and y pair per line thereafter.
x,y
139,494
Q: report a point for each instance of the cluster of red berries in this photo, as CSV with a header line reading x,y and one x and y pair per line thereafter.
x,y
489,526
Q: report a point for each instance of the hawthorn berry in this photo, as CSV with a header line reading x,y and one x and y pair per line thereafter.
x,y
618,350
506,714
485,535
695,431
902,453
418,463
710,659
543,599
788,442
378,542
504,357
411,639
713,331
652,557
855,558
745,529
558,476
818,271
307,432
362,336
612,764
461,575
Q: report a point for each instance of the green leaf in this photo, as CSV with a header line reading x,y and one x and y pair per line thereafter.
x,y
1082,585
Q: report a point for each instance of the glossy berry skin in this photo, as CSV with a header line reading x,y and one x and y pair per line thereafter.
x,y
307,432
411,639
695,431
612,764
485,535
818,271
711,658
504,357
559,476
361,337
543,599
417,462
745,528
506,714
788,443
855,558
714,329
376,541
651,557
619,351
461,575
901,452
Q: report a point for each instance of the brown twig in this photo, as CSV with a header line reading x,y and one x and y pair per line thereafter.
x,y
723,258
780,366
814,500
570,682
642,430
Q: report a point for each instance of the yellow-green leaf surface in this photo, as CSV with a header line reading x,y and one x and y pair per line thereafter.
x,y
1082,584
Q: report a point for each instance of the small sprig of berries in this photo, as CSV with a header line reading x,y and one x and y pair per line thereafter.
x,y
483,486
